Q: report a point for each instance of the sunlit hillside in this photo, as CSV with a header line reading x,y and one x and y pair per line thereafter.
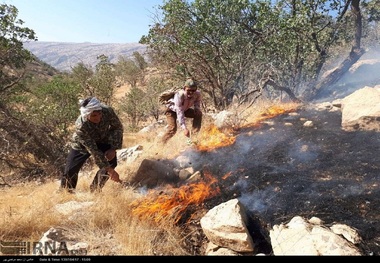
x,y
63,56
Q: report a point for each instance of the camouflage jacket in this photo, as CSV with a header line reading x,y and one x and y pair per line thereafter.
x,y
88,134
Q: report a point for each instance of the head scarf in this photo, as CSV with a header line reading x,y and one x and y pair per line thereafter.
x,y
93,105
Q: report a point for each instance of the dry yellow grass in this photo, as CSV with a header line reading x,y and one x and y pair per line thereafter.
x,y
108,225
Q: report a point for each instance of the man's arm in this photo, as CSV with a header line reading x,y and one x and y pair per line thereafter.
x,y
179,106
84,137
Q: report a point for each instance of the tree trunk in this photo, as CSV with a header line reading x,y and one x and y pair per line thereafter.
x,y
281,88
353,57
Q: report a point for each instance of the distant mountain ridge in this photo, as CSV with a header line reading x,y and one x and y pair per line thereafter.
x,y
63,55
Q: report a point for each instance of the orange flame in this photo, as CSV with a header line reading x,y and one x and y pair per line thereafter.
x,y
172,202
269,113
273,111
212,138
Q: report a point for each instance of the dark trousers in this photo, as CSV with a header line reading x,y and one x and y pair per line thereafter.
x,y
75,161
171,119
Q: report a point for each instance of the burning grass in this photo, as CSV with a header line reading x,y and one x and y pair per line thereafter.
x,y
212,138
171,203
271,112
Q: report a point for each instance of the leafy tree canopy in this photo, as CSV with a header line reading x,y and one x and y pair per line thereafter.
x,y
13,56
236,48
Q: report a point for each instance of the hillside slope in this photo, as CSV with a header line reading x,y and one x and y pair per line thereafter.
x,y
63,56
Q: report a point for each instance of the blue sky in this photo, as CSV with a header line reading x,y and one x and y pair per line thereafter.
x,y
95,21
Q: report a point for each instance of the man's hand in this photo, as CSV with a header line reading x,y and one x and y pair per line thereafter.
x,y
110,154
114,176
186,132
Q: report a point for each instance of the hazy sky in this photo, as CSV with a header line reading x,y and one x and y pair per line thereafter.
x,y
95,21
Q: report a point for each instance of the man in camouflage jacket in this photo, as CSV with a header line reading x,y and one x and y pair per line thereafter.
x,y
98,133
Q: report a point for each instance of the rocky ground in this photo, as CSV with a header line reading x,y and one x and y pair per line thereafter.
x,y
284,169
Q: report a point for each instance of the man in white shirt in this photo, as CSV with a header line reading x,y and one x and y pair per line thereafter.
x,y
185,104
